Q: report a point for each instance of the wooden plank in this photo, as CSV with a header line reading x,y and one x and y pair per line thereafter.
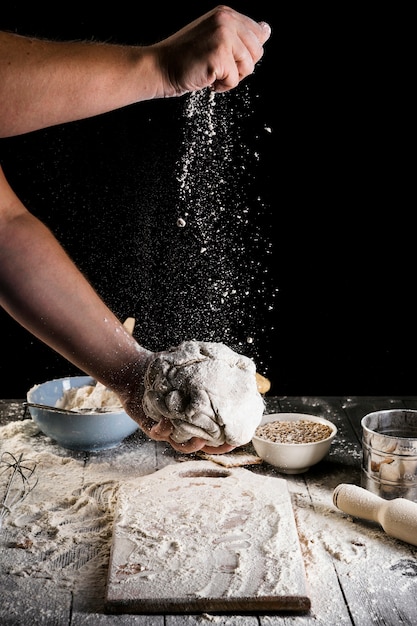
x,y
195,537
410,402
369,564
216,620
328,605
357,407
34,590
33,602
369,589
101,619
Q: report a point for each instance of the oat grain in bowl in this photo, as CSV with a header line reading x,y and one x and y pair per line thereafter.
x,y
293,442
300,431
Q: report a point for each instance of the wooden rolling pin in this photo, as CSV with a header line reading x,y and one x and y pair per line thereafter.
x,y
397,517
263,383
129,324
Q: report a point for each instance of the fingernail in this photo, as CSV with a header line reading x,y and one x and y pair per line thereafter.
x,y
266,27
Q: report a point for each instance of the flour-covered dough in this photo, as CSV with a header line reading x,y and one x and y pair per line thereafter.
x,y
206,390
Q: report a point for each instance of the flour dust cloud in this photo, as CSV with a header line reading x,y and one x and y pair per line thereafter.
x,y
223,217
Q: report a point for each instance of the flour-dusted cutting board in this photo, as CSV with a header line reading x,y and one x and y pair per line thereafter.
x,y
194,537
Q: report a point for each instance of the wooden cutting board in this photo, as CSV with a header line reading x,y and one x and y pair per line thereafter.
x,y
195,537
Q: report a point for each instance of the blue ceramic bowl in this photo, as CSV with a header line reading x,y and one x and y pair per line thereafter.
x,y
86,431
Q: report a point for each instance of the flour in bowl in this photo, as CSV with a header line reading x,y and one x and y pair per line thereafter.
x,y
89,397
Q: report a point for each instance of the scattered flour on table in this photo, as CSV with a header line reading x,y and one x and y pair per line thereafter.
x,y
338,549
62,531
64,526
361,550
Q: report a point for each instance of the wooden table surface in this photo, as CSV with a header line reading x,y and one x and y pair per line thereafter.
x,y
356,574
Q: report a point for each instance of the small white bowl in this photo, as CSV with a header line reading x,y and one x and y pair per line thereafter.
x,y
77,431
293,458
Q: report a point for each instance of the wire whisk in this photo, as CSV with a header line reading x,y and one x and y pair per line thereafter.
x,y
20,481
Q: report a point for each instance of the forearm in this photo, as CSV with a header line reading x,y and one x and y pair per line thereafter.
x,y
44,83
81,79
42,289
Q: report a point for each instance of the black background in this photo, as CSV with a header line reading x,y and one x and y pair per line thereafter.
x,y
327,266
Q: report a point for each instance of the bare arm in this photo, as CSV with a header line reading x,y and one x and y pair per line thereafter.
x,y
44,83
44,291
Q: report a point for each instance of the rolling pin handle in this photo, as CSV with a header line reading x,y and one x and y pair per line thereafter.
x,y
397,517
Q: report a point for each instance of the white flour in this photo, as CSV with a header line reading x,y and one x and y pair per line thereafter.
x,y
64,525
89,396
194,531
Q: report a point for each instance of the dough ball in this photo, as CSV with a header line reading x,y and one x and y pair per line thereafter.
x,y
206,390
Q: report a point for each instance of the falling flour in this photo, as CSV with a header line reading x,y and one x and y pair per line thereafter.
x,y
216,171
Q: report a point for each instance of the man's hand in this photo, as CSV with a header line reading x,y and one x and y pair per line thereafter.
x,y
217,50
